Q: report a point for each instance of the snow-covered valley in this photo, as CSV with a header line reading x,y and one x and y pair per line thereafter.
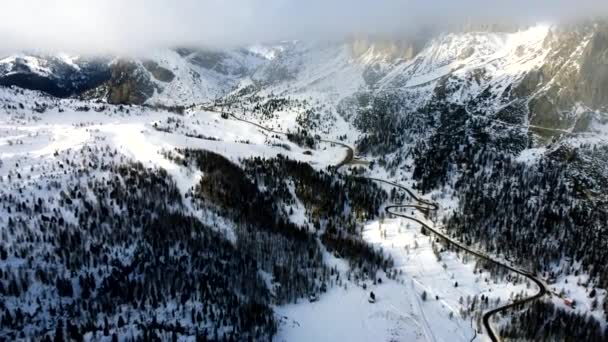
x,y
165,151
40,145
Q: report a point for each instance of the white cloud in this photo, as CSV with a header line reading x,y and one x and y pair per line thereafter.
x,y
135,25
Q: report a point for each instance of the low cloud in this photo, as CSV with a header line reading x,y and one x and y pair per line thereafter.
x,y
132,26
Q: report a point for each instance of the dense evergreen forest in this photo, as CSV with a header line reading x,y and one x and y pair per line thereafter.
x,y
536,214
101,246
334,203
328,199
543,321
114,252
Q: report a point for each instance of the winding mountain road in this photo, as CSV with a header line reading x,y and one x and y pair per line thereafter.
x,y
425,205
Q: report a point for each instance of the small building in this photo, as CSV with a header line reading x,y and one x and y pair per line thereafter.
x,y
570,302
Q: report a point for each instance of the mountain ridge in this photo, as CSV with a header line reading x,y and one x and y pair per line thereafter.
x,y
223,229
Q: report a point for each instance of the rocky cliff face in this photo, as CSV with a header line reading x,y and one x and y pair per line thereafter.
x,y
594,70
573,76
159,73
129,84
546,77
390,49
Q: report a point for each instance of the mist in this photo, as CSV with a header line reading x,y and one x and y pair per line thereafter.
x,y
135,26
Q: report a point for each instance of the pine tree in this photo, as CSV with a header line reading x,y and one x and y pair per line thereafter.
x,y
106,327
59,331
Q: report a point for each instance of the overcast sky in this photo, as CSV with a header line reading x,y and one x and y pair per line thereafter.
x,y
131,26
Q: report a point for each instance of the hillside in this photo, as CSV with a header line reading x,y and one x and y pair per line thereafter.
x,y
157,196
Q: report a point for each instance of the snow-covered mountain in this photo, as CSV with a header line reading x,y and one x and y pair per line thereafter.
x,y
142,198
60,75
540,70
178,76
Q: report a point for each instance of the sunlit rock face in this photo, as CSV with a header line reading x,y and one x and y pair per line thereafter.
x,y
545,75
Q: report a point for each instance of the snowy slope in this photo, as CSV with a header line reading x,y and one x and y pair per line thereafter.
x,y
488,73
200,75
38,142
59,75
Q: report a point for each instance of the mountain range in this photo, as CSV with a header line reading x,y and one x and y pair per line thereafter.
x,y
192,193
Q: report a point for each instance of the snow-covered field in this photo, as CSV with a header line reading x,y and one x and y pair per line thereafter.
x,y
135,135
450,281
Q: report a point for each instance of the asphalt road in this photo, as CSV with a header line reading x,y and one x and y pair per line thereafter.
x,y
424,205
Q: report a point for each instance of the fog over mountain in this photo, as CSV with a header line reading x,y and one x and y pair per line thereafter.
x,y
132,26
291,170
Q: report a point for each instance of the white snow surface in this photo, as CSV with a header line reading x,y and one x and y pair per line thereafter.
x,y
325,74
34,140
